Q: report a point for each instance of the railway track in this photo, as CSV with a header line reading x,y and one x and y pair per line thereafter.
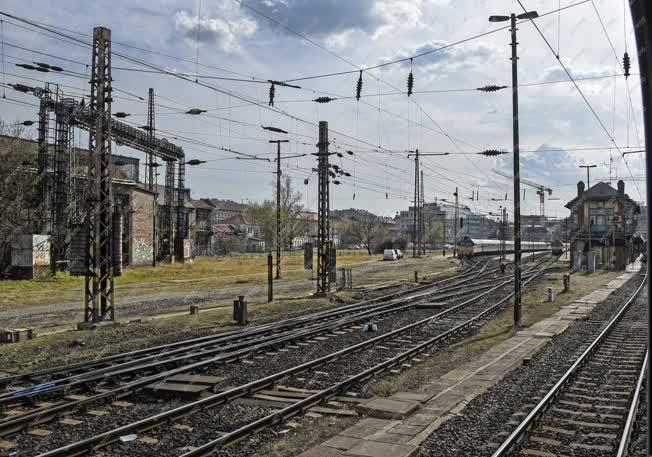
x,y
591,409
42,379
395,347
45,402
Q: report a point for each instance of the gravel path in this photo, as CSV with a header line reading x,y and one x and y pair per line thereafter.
x,y
487,415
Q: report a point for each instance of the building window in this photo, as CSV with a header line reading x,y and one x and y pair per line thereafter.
x,y
600,218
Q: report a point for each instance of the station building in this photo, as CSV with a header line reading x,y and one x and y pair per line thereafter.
x,y
608,218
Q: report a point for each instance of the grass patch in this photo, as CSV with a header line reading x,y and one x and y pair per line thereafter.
x,y
310,434
209,272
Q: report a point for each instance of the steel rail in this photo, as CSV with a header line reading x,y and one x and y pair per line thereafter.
x,y
17,423
275,326
301,406
633,411
225,397
164,359
530,420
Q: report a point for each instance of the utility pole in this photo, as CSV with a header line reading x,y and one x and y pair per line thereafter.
x,y
415,235
278,205
517,179
418,200
149,171
151,126
422,224
456,213
503,233
323,210
589,254
99,270
517,174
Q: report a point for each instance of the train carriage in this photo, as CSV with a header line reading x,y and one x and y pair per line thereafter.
x,y
473,247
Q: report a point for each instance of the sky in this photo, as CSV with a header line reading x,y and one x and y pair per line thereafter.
x,y
252,41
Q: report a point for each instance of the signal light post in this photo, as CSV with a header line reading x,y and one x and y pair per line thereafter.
x,y
517,191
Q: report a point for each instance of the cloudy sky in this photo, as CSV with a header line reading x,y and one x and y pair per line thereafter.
x,y
213,40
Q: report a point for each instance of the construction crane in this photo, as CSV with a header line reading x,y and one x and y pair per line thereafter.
x,y
541,189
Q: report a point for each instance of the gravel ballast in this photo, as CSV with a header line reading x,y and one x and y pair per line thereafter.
x,y
469,432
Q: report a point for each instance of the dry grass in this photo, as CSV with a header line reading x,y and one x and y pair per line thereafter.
x,y
207,272
310,433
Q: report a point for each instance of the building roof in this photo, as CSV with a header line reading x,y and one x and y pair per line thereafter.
x,y
223,229
224,204
201,204
599,191
238,219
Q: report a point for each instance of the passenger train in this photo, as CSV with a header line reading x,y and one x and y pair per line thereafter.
x,y
471,247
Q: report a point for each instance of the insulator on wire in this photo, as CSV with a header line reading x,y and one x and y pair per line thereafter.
x,y
272,92
340,155
491,88
410,81
323,99
21,87
626,64
358,89
492,152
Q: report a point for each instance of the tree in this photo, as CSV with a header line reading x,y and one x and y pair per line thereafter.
x,y
368,230
433,228
292,222
22,208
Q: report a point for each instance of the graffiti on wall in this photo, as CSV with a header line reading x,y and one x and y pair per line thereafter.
x,y
142,251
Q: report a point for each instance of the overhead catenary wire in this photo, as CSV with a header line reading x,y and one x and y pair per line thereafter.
x,y
379,132
579,90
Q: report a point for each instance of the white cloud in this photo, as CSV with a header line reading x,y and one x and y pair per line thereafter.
x,y
226,32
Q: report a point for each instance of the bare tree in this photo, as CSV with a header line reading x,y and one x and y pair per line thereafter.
x,y
21,207
368,230
292,223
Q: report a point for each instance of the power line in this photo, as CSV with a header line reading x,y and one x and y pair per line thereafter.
x,y
595,114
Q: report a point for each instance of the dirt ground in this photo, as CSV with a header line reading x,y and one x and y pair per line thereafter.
x,y
208,282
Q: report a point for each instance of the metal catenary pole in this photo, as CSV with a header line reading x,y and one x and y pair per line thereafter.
x,y
99,272
149,172
278,205
456,216
588,203
416,203
323,244
422,226
517,178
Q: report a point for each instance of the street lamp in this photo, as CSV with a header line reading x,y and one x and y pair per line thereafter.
x,y
590,267
517,191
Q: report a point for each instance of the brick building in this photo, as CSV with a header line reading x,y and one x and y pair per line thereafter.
x,y
607,217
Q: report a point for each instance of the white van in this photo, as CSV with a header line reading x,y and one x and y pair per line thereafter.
x,y
389,254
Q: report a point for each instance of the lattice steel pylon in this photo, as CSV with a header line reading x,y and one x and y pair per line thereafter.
x,y
151,128
167,218
180,225
60,195
42,162
323,212
99,269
